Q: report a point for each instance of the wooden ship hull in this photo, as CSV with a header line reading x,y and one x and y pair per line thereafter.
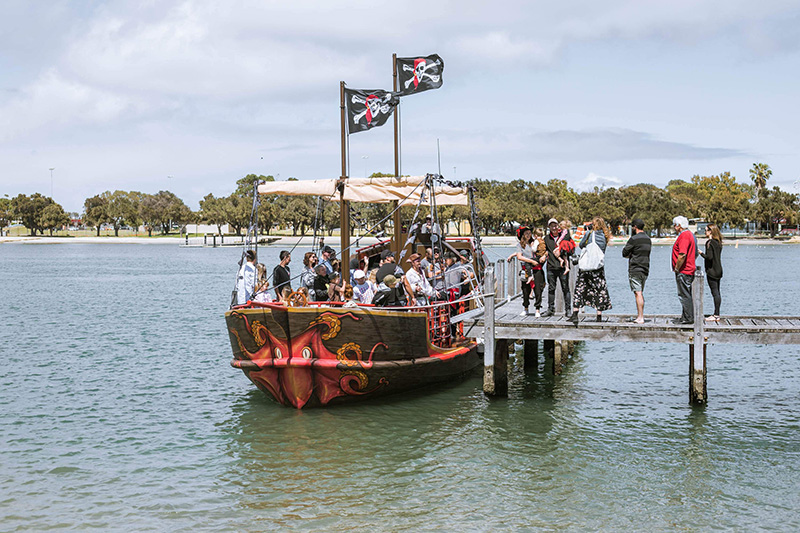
x,y
317,356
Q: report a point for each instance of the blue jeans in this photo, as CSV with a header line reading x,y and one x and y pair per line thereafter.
x,y
684,282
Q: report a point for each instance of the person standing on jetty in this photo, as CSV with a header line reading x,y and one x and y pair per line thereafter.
x,y
684,252
527,263
555,271
591,288
637,250
246,279
713,260
281,277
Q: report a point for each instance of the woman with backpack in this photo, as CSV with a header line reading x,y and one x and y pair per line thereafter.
x,y
591,288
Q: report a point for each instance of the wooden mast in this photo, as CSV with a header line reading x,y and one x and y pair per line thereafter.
x,y
344,207
397,239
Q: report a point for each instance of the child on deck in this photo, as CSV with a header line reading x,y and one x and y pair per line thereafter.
x,y
564,245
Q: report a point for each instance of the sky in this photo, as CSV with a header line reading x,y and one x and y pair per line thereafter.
x,y
189,96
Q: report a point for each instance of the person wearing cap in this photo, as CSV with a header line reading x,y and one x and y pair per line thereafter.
x,y
684,252
420,291
327,254
427,263
637,250
556,273
362,290
388,294
388,266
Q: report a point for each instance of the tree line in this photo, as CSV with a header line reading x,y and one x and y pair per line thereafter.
x,y
720,199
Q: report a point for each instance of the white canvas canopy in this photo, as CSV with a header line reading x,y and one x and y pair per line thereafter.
x,y
406,189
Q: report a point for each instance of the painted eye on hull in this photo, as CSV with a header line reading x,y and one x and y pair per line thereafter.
x,y
306,353
278,353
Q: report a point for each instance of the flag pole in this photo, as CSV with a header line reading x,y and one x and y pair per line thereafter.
x,y
344,207
398,232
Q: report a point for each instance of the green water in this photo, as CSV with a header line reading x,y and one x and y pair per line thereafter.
x,y
119,411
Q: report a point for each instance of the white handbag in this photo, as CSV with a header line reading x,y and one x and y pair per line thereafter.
x,y
592,257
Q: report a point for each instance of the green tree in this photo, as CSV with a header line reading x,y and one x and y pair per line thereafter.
x,y
53,217
95,212
29,209
212,211
5,214
775,207
120,209
724,200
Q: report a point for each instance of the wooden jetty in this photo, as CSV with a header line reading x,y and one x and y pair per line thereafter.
x,y
215,241
501,323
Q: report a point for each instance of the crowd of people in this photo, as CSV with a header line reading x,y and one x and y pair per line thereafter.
x,y
546,257
430,278
554,251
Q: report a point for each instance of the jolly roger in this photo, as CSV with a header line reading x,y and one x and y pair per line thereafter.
x,y
417,74
368,109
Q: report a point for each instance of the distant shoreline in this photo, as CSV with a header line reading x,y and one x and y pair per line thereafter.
x,y
505,240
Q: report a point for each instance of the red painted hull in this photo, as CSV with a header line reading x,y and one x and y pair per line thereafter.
x,y
310,356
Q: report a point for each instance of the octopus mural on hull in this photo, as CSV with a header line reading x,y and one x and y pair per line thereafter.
x,y
302,368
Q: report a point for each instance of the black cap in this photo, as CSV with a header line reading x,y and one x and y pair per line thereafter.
x,y
638,223
387,253
329,250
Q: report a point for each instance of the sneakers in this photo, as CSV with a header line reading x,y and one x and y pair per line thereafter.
x,y
524,312
712,318
538,314
549,312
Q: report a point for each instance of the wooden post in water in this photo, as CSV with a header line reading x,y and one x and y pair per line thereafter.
x,y
698,394
531,353
495,352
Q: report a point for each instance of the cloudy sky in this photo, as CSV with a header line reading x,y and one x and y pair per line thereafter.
x,y
191,95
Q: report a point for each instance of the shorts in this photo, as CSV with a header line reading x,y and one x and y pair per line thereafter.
x,y
637,280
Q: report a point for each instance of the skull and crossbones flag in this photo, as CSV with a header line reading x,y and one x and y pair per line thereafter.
x,y
368,109
417,74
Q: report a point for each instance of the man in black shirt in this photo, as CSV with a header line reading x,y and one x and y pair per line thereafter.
x,y
555,272
637,250
281,277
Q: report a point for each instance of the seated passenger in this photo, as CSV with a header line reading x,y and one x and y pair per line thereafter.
x,y
388,294
285,294
362,288
348,296
262,294
335,287
321,284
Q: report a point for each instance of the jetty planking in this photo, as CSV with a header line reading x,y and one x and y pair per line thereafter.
x,y
501,321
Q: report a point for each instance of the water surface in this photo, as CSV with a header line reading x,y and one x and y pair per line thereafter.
x,y
119,411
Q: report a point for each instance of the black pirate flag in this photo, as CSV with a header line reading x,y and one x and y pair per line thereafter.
x,y
417,74
368,109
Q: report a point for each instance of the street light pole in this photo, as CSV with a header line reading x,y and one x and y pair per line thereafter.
x,y
51,181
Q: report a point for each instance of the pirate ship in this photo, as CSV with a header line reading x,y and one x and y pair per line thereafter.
x,y
319,353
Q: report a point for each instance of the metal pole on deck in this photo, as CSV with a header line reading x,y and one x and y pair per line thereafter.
x,y
698,394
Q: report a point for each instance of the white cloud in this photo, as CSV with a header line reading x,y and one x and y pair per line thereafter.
x,y
593,180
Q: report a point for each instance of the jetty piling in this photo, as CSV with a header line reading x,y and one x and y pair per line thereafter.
x,y
697,348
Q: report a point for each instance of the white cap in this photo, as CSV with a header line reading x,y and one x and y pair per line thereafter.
x,y
358,274
551,221
683,222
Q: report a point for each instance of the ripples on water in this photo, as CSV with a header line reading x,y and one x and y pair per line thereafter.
x,y
119,411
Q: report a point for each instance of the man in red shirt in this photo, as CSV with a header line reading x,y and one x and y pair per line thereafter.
x,y
684,252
